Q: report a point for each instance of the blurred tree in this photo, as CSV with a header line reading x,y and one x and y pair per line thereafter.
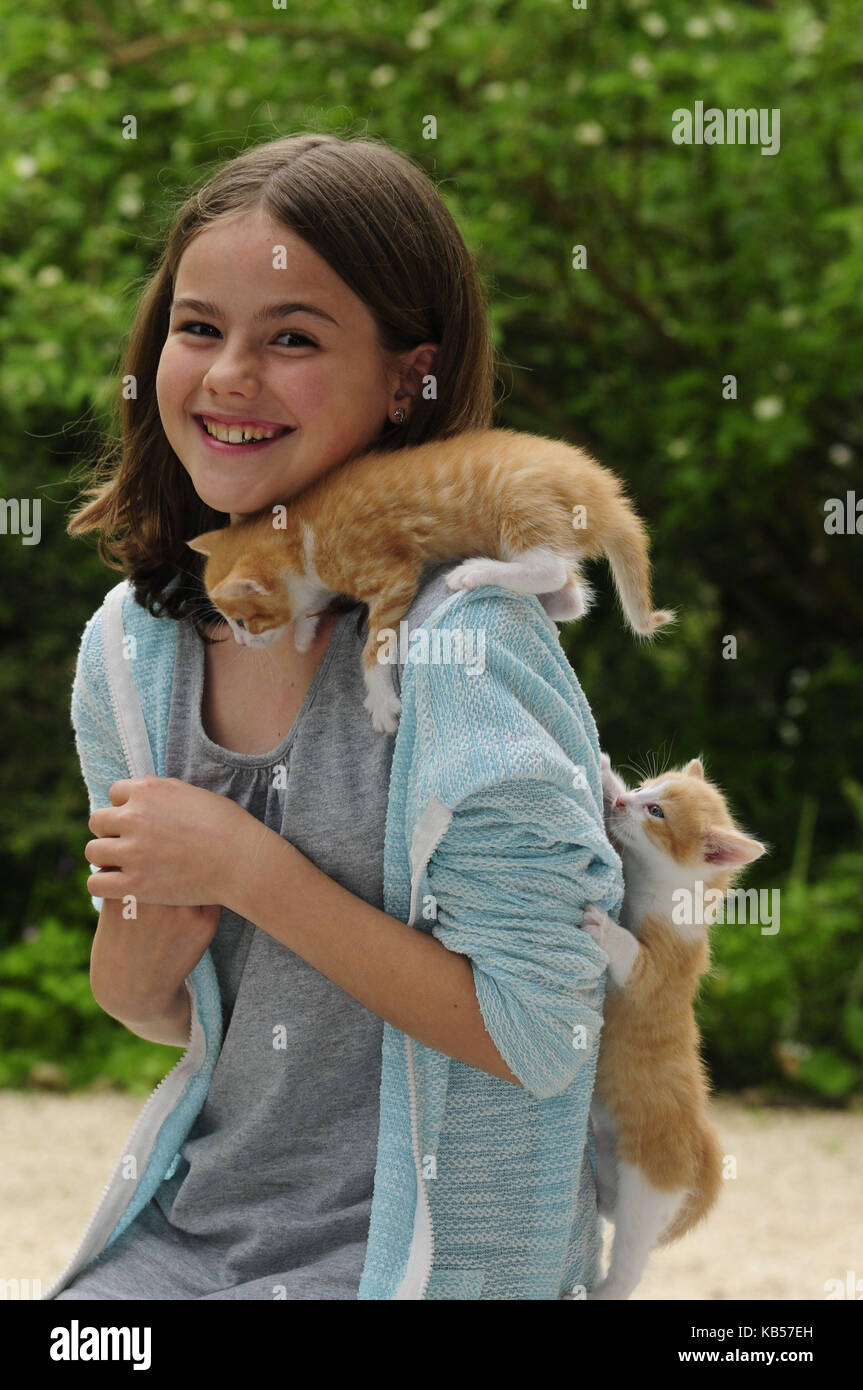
x,y
708,350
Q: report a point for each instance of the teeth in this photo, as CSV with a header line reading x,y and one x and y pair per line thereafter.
x,y
233,435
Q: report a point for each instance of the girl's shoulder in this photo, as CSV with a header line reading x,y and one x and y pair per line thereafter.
x,y
121,631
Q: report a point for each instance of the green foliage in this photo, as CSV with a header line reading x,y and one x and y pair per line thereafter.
x,y
52,1031
703,262
786,1009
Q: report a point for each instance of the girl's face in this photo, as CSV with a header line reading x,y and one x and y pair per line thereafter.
x,y
267,348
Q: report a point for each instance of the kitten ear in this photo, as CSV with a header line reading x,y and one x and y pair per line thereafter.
x,y
694,768
730,847
238,588
204,542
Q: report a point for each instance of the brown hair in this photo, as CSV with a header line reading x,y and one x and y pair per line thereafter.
x,y
378,221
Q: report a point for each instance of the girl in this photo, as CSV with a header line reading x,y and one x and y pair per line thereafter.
x,y
368,945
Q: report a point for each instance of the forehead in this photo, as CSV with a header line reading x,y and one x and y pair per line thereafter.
x,y
238,262
652,792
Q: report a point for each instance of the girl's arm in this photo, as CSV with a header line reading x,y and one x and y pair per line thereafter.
x,y
402,975
138,964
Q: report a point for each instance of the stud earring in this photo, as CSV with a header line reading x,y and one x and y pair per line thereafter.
x,y
400,415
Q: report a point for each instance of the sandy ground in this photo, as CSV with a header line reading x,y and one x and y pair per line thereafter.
x,y
791,1219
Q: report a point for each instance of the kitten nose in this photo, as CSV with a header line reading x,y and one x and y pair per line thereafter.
x,y
620,802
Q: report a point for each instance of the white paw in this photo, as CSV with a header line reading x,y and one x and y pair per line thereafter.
x,y
612,785
385,709
304,632
596,921
607,1291
473,574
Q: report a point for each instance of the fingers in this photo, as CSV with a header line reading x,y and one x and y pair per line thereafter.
x,y
102,853
106,885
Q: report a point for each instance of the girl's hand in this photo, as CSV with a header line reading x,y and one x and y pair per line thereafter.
x,y
164,841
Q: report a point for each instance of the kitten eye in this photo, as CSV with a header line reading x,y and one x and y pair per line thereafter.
x,y
654,809
241,622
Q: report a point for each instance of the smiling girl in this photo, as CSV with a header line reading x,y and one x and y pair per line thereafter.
x,y
385,1091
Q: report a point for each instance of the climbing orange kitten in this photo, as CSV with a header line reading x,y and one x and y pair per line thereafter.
x,y
528,509
659,1161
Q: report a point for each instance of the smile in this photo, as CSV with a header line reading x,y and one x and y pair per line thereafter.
x,y
233,437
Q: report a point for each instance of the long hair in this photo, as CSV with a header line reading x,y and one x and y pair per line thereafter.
x,y
378,221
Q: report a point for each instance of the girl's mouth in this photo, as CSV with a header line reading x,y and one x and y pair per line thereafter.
x,y
250,446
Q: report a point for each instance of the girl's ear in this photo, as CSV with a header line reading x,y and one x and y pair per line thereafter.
x,y
203,543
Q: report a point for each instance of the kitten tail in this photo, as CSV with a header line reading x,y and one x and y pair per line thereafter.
x,y
626,548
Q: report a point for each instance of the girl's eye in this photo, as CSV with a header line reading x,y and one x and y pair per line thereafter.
x,y
654,809
288,333
303,340
189,327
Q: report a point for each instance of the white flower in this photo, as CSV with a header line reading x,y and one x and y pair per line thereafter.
x,y
807,39
768,407
49,275
640,65
45,351
841,455
654,25
697,27
237,41
495,91
182,92
62,83
25,166
791,316
678,448
379,77
724,19
589,133
129,204
417,38
98,77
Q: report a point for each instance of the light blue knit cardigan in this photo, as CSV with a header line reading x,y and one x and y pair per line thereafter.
x,y
494,842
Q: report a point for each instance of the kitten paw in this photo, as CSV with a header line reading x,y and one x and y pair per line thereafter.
x,y
607,1291
612,785
595,921
473,574
619,945
385,710
566,604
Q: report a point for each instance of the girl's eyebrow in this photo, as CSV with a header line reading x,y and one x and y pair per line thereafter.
x,y
273,311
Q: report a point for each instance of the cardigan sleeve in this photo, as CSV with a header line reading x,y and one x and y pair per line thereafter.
x,y
100,753
526,848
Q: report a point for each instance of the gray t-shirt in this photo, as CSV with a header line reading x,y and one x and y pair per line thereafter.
x,y
272,1194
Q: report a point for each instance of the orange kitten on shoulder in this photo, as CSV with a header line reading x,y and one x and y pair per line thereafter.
x,y
659,1161
528,510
